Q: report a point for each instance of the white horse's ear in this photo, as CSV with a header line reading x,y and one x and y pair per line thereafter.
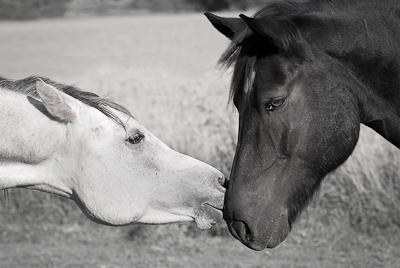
x,y
55,101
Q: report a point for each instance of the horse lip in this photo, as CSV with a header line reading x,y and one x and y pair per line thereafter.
x,y
256,246
220,208
207,215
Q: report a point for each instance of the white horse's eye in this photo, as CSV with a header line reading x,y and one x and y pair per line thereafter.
x,y
135,138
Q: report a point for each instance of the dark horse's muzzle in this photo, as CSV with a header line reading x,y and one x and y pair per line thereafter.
x,y
256,226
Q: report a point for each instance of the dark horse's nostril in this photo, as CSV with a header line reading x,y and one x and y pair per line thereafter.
x,y
223,181
241,231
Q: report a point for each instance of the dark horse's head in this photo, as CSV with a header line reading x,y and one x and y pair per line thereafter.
x,y
297,122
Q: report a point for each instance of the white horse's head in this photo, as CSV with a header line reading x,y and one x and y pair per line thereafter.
x,y
75,144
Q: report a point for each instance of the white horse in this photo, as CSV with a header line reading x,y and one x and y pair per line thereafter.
x,y
58,139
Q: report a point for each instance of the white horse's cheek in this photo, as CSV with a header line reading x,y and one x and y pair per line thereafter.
x,y
132,190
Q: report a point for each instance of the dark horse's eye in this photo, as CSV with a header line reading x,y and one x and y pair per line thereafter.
x,y
135,138
272,105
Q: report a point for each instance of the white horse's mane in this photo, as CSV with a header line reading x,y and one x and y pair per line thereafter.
x,y
27,86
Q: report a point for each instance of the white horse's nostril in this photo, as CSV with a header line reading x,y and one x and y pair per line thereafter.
x,y
223,181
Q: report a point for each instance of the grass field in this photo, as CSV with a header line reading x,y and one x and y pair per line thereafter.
x,y
163,68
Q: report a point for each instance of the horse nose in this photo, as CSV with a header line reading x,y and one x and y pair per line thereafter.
x,y
248,230
241,231
223,181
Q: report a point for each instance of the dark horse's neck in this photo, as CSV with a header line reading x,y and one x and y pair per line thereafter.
x,y
371,52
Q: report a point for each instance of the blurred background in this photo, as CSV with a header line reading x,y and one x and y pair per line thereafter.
x,y
159,59
33,9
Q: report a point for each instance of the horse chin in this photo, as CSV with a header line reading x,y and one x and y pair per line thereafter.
x,y
207,216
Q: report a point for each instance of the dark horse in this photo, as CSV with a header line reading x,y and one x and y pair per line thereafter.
x,y
305,76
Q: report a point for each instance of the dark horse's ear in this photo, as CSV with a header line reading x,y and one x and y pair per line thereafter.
x,y
282,33
230,27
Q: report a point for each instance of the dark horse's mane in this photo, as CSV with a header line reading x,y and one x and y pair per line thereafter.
x,y
245,47
27,86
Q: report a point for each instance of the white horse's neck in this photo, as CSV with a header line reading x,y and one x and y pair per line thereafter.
x,y
27,140
36,177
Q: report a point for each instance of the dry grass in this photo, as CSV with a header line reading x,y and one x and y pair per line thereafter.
x,y
366,189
